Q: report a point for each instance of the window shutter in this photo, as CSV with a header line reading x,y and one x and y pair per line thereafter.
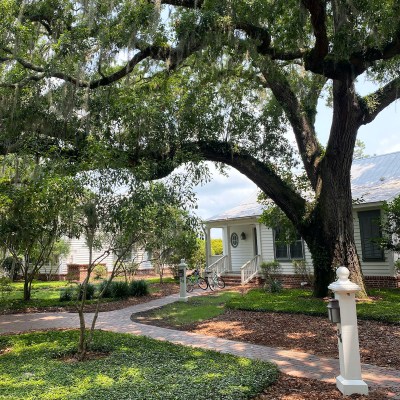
x,y
370,233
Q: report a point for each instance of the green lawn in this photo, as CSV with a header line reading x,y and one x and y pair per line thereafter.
x,y
196,309
32,367
47,294
386,308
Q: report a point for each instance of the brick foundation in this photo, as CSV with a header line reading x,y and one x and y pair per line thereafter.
x,y
78,272
382,281
295,281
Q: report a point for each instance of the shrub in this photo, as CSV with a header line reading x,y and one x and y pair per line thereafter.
x,y
119,289
301,268
12,267
270,270
5,286
67,294
139,288
107,293
397,266
90,289
275,286
99,272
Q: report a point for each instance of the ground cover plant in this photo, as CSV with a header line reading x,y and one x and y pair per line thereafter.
x,y
39,366
382,305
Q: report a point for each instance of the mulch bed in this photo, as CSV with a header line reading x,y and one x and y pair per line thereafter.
x,y
379,342
290,388
379,345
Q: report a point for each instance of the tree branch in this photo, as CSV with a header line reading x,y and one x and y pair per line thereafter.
x,y
307,142
262,174
181,3
172,56
374,103
317,11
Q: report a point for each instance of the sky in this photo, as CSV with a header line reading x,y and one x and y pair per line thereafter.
x,y
381,136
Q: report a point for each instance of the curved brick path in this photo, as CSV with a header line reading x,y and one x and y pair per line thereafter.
x,y
291,362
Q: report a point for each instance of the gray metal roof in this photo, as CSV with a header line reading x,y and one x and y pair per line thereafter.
x,y
373,179
376,179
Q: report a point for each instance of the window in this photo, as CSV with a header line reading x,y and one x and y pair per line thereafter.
x,y
285,251
370,234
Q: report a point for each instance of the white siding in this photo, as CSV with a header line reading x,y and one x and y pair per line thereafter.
x,y
267,243
269,251
79,254
245,249
141,257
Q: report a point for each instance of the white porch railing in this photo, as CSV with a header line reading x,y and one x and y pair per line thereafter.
x,y
249,270
220,266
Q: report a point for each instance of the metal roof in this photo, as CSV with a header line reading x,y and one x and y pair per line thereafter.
x,y
373,179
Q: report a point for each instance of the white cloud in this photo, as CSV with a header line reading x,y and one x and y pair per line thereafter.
x,y
223,192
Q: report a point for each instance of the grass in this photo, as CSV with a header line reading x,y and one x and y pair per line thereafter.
x,y
47,294
196,309
385,308
32,367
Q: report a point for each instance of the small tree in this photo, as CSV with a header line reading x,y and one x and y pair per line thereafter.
x,y
173,237
34,214
122,222
390,225
216,247
60,249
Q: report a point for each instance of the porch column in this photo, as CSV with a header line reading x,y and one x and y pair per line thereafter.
x,y
259,247
207,232
226,244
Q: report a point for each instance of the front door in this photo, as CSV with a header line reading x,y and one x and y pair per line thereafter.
x,y
255,245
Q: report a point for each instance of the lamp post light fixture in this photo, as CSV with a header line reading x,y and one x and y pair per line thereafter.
x,y
334,311
243,236
349,381
182,280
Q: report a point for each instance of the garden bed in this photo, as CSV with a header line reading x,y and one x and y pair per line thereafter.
x,y
39,366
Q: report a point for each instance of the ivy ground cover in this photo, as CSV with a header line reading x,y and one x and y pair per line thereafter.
x,y
41,366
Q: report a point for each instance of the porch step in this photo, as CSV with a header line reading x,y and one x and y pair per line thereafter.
x,y
232,279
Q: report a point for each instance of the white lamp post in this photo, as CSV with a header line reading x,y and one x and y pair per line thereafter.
x,y
182,280
349,381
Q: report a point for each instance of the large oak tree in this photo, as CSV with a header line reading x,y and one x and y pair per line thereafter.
x,y
152,85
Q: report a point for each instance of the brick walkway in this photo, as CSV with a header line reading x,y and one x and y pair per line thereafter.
x,y
291,362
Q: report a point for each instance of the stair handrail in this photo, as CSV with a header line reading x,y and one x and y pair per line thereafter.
x,y
249,270
219,267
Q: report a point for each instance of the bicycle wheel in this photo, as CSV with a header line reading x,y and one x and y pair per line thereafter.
x,y
220,282
202,283
189,287
211,284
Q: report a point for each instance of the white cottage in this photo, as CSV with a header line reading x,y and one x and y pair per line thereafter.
x,y
247,242
76,262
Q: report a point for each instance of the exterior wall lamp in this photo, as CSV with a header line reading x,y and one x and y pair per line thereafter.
x,y
334,311
243,236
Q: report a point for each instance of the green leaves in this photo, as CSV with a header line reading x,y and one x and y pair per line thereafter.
x,y
391,224
127,367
